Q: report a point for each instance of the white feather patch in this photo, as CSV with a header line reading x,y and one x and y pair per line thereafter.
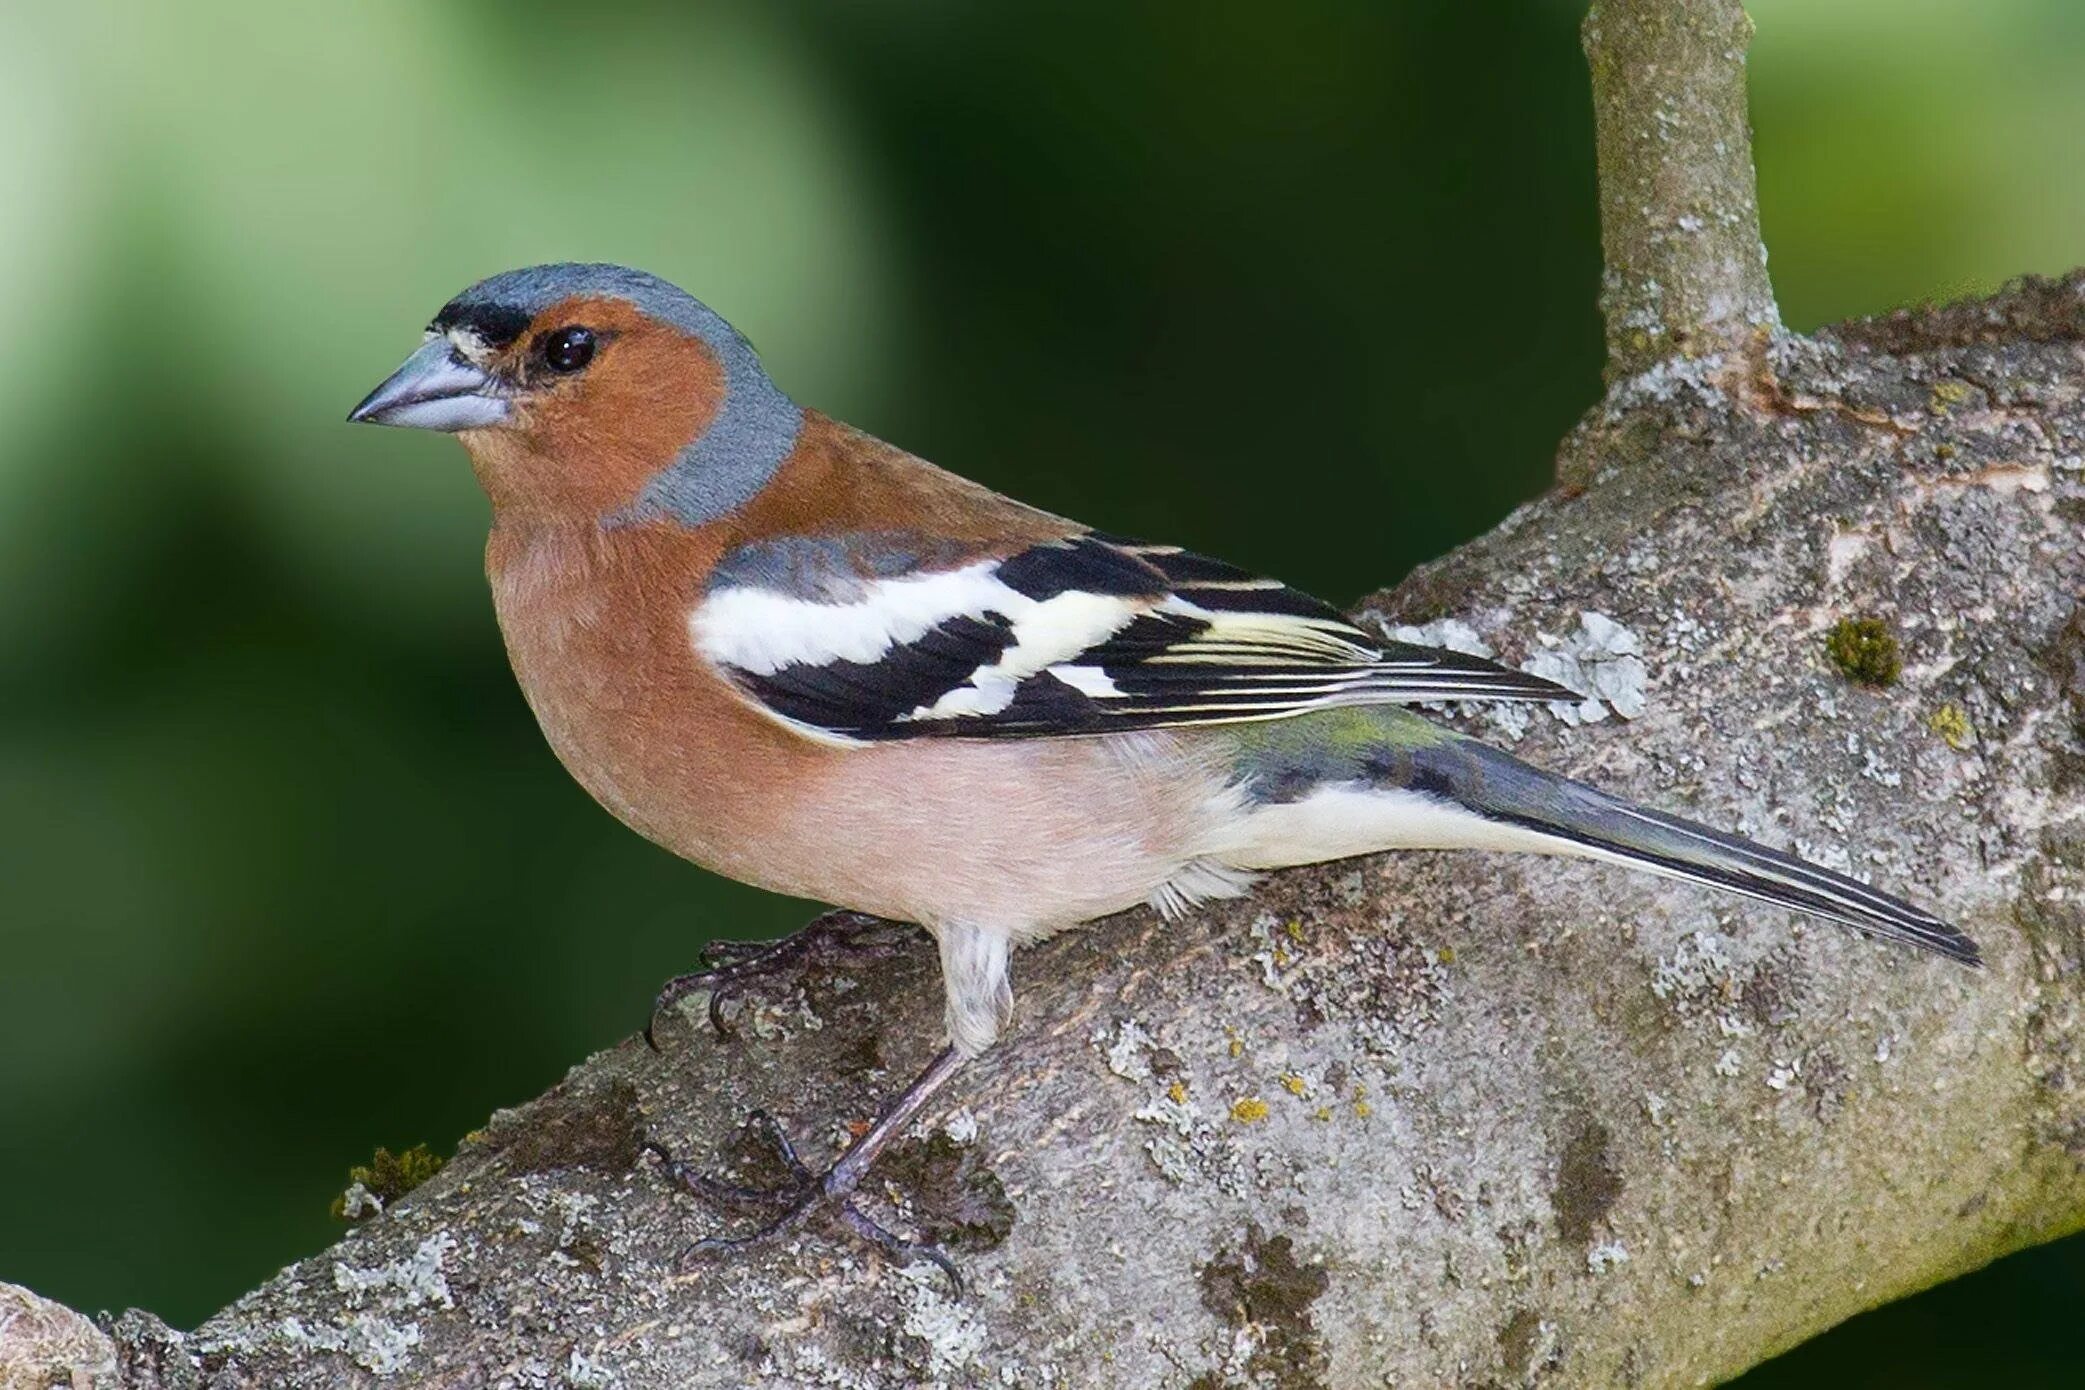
x,y
761,631
1045,633
1346,819
986,692
1087,680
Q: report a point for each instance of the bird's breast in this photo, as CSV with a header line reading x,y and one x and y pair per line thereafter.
x,y
595,624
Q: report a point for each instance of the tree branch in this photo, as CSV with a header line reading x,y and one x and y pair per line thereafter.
x,y
1679,204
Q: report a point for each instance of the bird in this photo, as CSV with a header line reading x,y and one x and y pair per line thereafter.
x,y
801,657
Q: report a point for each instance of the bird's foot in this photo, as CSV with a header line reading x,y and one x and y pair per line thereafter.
x,y
730,966
802,1195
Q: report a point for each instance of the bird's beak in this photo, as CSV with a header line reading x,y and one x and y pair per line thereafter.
x,y
436,389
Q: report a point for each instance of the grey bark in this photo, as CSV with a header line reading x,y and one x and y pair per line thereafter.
x,y
1679,203
1426,1119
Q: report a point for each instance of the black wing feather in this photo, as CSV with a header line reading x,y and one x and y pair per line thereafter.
x,y
1195,641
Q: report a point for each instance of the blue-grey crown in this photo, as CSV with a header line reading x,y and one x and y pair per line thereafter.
x,y
498,307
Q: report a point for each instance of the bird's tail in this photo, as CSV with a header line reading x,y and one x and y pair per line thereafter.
x,y
1420,787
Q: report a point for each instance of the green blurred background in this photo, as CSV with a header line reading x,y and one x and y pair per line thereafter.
x,y
289,872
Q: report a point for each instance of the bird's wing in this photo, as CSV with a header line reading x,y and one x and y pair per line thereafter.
x,y
866,638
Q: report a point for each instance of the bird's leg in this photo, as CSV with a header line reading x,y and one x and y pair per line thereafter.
x,y
807,1192
729,966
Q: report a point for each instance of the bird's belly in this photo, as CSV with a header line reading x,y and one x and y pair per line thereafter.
x,y
1026,835
1028,838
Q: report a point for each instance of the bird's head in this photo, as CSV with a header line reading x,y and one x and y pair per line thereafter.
x,y
594,388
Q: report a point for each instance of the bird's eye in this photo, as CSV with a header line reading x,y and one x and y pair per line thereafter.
x,y
568,349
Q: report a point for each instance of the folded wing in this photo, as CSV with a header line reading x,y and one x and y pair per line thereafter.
x,y
868,638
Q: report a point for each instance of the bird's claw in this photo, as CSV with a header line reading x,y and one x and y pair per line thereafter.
x,y
730,966
801,1197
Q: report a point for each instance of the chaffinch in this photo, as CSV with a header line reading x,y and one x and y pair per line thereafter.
x,y
800,656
